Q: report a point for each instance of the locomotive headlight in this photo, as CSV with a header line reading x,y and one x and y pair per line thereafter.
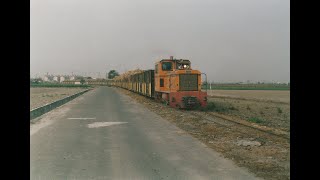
x,y
185,66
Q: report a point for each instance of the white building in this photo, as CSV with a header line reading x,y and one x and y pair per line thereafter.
x,y
45,78
56,78
48,78
62,78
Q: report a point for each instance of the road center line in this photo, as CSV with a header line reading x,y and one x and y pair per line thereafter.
x,y
103,124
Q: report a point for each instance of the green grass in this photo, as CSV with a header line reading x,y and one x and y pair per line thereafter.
x,y
255,120
55,85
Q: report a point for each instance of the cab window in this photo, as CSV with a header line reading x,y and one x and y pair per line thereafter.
x,y
166,66
161,82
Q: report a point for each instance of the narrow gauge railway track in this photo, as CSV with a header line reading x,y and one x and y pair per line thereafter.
x,y
230,122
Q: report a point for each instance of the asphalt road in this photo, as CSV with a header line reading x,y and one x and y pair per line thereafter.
x,y
106,135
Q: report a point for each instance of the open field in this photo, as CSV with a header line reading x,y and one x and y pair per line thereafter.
x,y
267,108
248,86
266,155
41,96
43,85
270,114
264,95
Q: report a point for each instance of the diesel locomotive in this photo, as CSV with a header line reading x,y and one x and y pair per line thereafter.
x,y
173,82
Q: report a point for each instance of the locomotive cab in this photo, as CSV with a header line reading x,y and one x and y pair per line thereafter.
x,y
177,84
174,64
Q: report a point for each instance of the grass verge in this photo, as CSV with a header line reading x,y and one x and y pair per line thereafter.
x,y
255,120
55,85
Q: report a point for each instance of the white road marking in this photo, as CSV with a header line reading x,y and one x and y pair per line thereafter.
x,y
82,118
103,124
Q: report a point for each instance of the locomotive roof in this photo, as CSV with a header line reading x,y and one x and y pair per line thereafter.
x,y
175,60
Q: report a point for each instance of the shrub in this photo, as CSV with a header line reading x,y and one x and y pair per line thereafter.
x,y
211,106
255,120
233,108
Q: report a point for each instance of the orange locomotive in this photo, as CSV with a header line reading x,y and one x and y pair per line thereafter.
x,y
177,84
172,81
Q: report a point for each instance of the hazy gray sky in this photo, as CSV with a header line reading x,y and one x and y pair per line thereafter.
x,y
229,40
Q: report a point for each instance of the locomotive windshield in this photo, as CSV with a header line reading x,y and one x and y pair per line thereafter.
x,y
166,66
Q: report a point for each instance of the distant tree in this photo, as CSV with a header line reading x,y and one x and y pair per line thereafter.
x,y
89,77
36,80
112,74
82,81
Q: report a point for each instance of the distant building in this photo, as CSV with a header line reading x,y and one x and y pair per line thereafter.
x,y
48,78
62,78
45,78
71,82
56,78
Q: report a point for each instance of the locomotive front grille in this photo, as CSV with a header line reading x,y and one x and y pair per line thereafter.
x,y
188,82
189,101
